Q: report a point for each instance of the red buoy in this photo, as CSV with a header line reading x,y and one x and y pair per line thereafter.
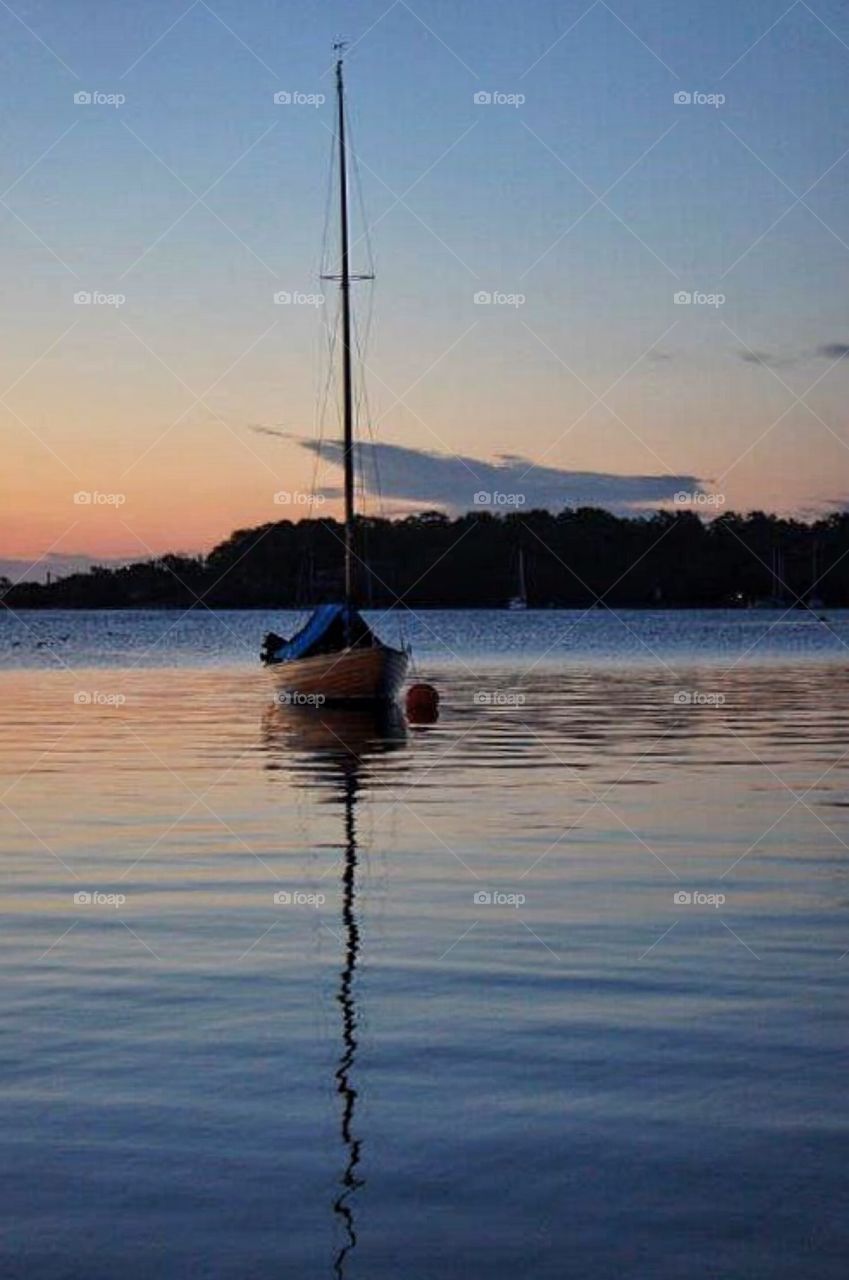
x,y
422,703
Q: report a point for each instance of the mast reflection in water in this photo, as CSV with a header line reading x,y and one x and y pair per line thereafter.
x,y
350,1181
336,750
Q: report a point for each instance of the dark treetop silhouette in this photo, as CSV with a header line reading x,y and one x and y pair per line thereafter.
x,y
430,560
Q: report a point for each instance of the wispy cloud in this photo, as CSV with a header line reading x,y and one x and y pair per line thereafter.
x,y
767,359
452,482
773,360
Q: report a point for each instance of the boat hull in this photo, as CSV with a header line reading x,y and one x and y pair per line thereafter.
x,y
366,675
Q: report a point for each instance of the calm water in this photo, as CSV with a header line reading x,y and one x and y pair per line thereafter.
x,y
481,1038
172,637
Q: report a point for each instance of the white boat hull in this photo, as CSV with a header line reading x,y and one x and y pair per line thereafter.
x,y
364,675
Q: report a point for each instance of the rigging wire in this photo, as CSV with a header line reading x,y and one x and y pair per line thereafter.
x,y
361,343
361,407
328,334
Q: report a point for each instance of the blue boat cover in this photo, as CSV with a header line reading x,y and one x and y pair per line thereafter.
x,y
309,635
326,631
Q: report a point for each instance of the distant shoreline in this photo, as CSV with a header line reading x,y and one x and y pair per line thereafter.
x,y
572,560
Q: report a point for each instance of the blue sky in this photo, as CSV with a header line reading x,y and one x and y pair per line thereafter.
x,y
494,198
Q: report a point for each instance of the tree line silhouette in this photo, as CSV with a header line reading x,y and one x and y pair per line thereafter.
x,y
571,559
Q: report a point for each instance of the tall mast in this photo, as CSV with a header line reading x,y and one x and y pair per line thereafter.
x,y
347,383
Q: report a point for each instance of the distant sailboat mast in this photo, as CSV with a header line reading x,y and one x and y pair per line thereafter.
x,y
521,600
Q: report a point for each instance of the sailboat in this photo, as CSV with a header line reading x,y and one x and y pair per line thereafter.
x,y
776,598
336,657
520,601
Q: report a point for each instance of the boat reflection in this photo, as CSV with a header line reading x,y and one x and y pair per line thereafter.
x,y
342,746
326,746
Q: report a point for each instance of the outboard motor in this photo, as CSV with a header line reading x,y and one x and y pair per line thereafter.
x,y
270,645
